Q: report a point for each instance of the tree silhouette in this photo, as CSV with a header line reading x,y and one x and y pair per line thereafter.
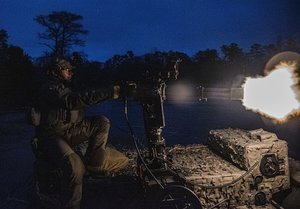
x,y
62,30
207,66
256,59
235,60
3,45
291,44
232,53
3,38
208,56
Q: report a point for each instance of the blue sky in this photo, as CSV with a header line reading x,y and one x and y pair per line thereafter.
x,y
116,26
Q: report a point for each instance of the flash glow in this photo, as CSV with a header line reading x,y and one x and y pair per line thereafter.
x,y
180,93
274,95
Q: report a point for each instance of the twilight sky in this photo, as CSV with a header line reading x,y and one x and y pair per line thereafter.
x,y
116,26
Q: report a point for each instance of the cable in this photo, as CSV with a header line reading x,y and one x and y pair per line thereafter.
x,y
235,180
214,187
227,184
136,145
219,186
220,203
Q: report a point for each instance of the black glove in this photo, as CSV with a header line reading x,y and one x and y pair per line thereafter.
x,y
116,92
128,89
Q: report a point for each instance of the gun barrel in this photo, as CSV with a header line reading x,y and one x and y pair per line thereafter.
x,y
220,93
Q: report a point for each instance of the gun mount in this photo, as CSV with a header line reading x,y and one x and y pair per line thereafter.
x,y
151,93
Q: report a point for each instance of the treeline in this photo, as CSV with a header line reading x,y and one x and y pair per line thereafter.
x,y
209,67
16,71
20,75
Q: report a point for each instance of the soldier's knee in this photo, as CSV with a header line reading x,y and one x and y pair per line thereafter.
x,y
76,168
103,122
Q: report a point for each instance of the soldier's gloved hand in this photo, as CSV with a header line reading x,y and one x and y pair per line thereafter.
x,y
128,89
116,92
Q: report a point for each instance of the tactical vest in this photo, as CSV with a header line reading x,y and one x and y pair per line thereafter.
x,y
53,117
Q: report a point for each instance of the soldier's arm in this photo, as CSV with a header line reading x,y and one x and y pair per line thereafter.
x,y
76,100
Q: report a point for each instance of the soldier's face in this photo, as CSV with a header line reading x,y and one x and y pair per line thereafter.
x,y
67,74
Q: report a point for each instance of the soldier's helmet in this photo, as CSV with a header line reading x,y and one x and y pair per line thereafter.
x,y
63,64
58,65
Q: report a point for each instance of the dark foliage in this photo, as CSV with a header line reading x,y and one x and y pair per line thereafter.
x,y
206,67
15,74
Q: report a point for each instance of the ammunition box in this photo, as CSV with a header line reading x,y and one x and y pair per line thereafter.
x,y
238,167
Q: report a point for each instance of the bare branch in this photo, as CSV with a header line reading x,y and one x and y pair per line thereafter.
x,y
62,29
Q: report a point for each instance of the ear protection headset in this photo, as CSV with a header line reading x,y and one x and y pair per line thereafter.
x,y
58,66
62,64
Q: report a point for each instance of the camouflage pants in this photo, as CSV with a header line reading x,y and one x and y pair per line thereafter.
x,y
57,147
